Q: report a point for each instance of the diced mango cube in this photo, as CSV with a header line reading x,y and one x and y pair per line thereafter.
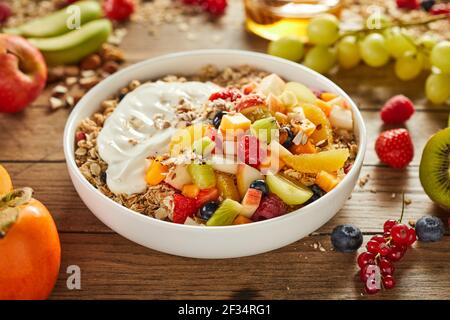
x,y
190,190
308,147
326,108
326,181
327,96
155,173
240,219
234,122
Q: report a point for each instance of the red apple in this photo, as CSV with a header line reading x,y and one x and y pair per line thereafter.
x,y
23,73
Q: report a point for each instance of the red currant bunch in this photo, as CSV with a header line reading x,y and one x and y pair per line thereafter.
x,y
213,7
377,263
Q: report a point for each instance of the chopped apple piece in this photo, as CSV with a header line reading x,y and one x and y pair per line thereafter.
x,y
245,176
272,84
251,202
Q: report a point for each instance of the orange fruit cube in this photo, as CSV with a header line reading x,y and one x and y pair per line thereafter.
x,y
308,147
326,108
326,181
190,190
240,219
327,96
234,122
156,173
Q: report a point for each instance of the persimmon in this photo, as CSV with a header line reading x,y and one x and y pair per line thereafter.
x,y
30,251
5,181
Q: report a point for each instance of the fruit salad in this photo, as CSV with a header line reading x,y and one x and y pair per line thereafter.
x,y
235,147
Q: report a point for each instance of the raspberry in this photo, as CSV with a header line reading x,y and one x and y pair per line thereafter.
x,y
398,109
250,101
408,4
270,207
215,7
249,151
394,148
5,12
230,94
118,9
183,207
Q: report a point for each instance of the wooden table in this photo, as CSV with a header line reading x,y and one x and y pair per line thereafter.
x,y
113,267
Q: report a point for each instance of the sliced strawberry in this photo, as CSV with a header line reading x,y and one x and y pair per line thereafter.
x,y
251,100
249,150
206,195
183,207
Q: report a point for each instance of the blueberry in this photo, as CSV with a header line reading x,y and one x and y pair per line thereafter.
x,y
290,136
261,186
429,228
427,4
317,193
218,119
208,209
346,238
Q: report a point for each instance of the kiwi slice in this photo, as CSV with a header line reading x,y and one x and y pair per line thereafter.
x,y
434,169
225,214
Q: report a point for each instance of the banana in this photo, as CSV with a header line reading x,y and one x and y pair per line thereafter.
x,y
59,22
71,47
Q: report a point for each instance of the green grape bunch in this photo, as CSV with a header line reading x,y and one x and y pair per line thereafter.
x,y
378,43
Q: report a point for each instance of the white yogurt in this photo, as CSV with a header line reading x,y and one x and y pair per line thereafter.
x,y
129,135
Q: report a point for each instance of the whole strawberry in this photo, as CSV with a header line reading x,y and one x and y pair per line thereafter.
x,y
397,109
408,4
395,148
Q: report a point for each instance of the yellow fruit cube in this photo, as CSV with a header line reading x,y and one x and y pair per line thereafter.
x,y
308,147
234,122
240,219
156,173
327,96
326,108
326,181
190,190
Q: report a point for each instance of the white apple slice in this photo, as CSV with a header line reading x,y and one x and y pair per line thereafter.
x,y
271,84
251,202
245,175
178,177
223,164
341,118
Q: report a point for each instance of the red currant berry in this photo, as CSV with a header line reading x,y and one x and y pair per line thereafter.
x,y
118,9
384,249
386,267
411,236
366,258
387,234
399,233
378,238
372,246
388,282
397,252
365,273
5,12
389,224
372,289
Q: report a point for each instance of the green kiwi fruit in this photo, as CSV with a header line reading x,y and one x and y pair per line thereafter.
x,y
434,169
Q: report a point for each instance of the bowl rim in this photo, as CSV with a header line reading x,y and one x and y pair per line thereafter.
x,y
76,173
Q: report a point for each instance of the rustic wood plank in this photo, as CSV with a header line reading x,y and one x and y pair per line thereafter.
x,y
115,268
365,209
41,133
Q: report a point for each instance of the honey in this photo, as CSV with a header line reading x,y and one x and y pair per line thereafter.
x,y
273,19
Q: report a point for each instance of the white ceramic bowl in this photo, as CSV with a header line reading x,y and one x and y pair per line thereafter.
x,y
209,242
